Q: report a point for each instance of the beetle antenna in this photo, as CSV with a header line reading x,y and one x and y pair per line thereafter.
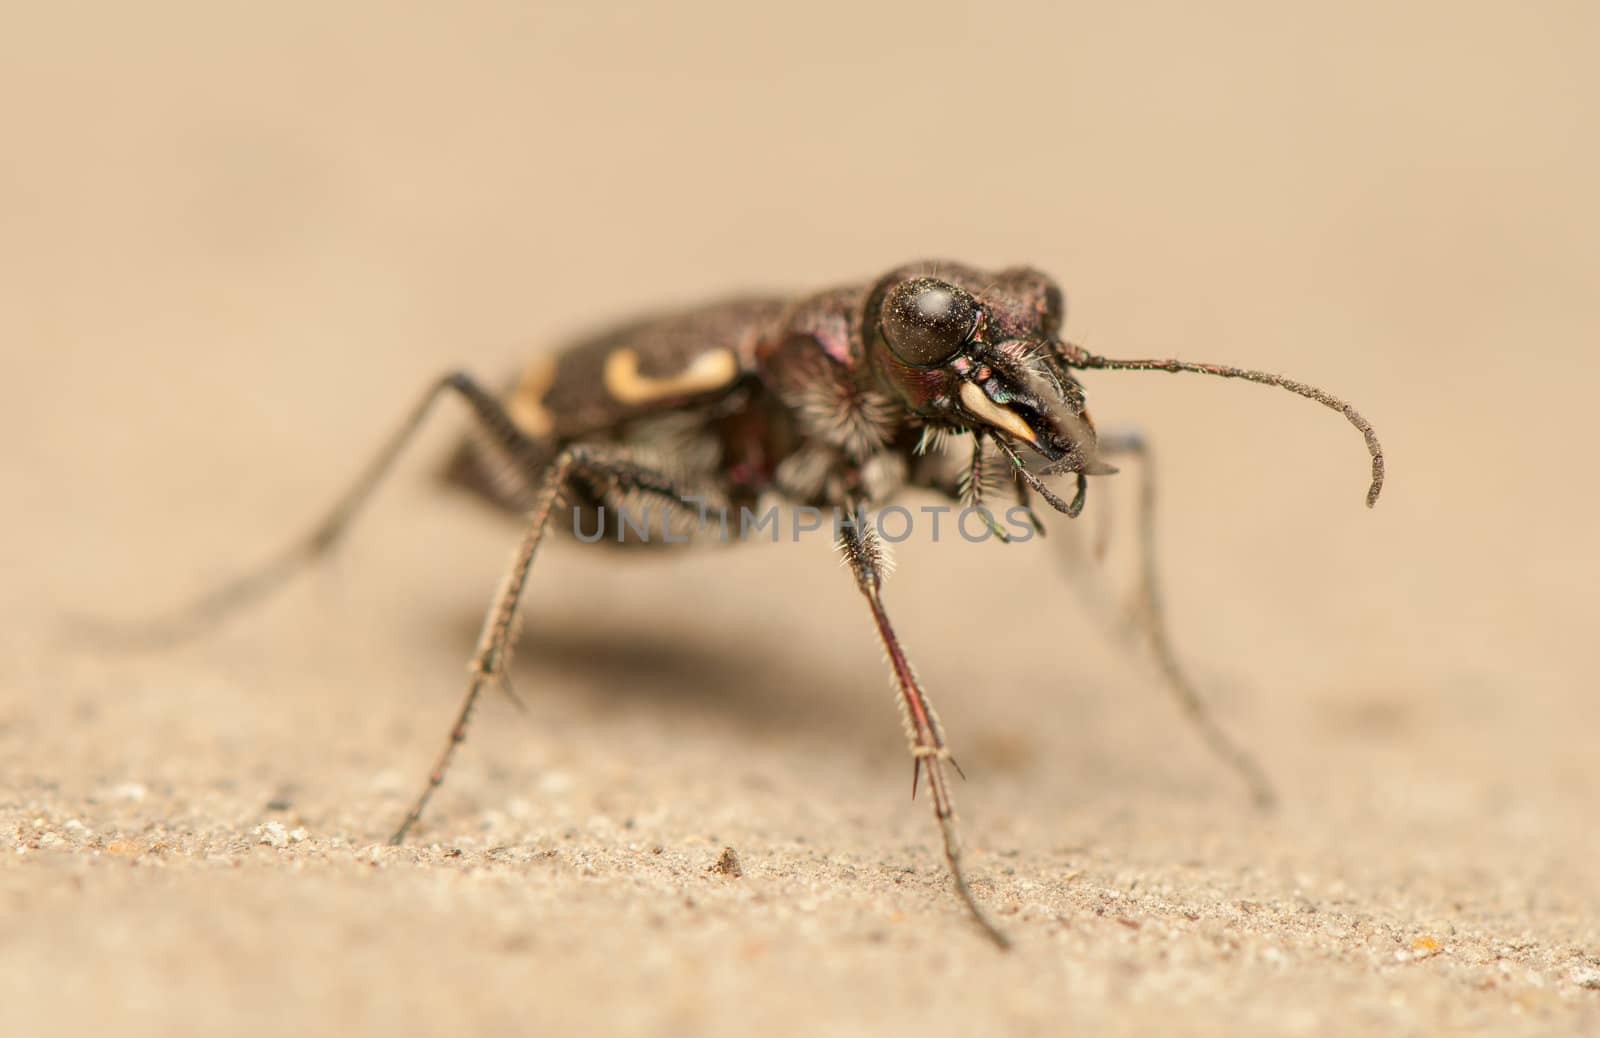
x,y
1078,357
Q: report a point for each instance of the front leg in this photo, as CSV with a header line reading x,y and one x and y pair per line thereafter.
x,y
1150,618
858,541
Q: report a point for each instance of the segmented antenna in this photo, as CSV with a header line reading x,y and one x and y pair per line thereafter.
x,y
1078,357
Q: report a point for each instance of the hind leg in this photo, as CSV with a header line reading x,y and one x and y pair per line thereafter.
x,y
216,606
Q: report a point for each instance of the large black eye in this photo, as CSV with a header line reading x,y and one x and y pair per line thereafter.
x,y
927,320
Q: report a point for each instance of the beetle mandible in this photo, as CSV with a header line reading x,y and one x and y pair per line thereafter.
x,y
835,400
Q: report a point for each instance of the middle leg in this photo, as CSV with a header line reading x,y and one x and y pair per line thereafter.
x,y
492,657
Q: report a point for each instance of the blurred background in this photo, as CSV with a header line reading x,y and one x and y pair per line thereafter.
x,y
237,240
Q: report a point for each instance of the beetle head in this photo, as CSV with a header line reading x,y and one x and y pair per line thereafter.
x,y
974,352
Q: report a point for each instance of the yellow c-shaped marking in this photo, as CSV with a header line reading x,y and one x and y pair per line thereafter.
x,y
711,370
526,405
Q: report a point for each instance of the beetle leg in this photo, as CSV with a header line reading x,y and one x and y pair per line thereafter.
x,y
1149,616
858,542
491,659
1020,468
217,605
974,484
1025,500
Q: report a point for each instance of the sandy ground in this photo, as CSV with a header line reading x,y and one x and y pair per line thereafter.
x,y
236,247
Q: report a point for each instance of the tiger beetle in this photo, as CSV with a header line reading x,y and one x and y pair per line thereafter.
x,y
838,400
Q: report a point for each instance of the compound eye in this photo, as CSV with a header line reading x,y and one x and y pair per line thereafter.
x,y
926,321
